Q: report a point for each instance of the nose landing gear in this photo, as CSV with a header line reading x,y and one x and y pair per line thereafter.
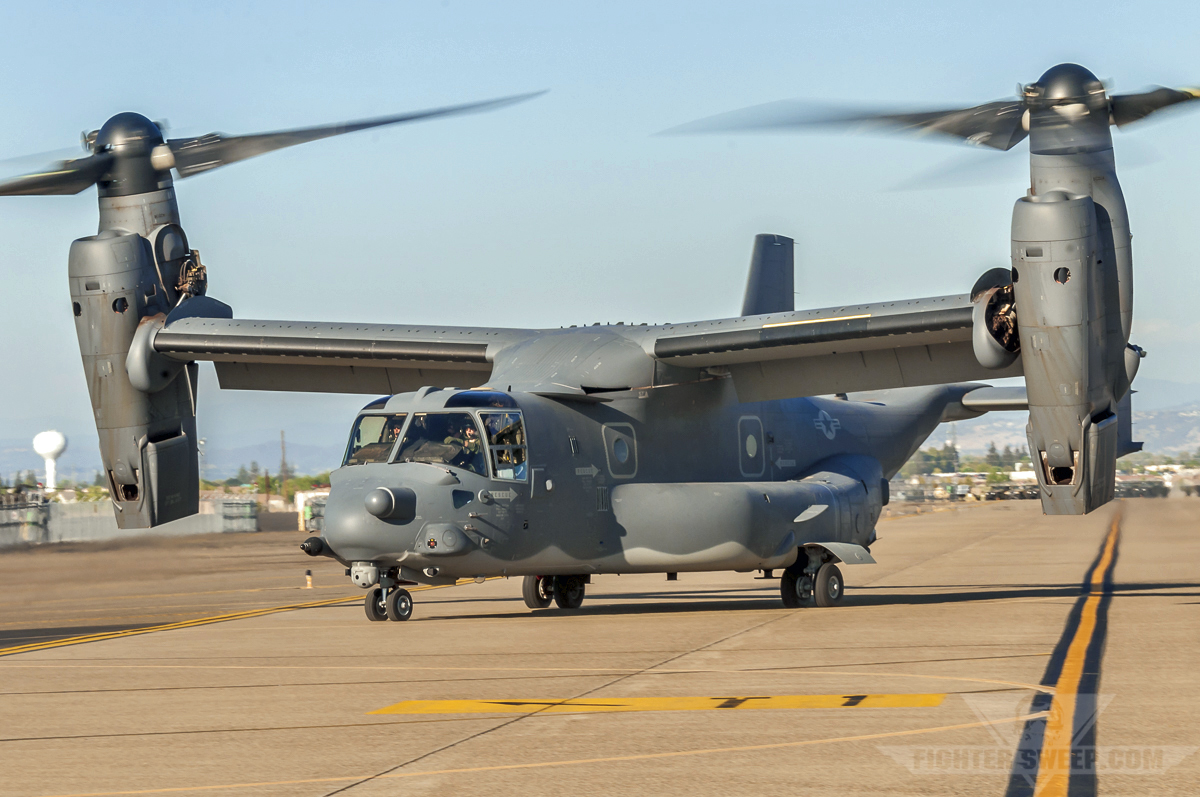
x,y
388,603
399,605
375,606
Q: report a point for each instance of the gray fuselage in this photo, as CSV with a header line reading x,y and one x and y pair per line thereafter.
x,y
674,478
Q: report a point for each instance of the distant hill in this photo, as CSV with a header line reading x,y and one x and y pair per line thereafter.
x,y
1166,431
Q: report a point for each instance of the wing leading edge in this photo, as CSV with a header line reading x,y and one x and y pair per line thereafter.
x,y
779,355
335,358
835,350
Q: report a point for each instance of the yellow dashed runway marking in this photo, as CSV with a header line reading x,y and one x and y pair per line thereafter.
x,y
578,705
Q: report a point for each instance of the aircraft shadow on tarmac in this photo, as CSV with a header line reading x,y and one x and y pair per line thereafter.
x,y
27,636
753,598
694,601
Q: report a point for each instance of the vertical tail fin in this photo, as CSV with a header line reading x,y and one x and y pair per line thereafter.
x,y
771,286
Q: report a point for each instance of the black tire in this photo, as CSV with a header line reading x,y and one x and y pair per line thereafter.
x,y
568,591
795,588
376,611
829,587
537,591
399,605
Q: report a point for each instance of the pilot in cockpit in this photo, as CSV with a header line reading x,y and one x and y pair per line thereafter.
x,y
470,454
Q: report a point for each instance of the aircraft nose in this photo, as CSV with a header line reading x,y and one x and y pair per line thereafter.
x,y
364,520
392,503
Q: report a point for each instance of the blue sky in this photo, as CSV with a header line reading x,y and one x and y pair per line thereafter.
x,y
567,209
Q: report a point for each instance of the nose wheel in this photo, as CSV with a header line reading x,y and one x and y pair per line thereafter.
x,y
392,604
538,591
399,605
375,606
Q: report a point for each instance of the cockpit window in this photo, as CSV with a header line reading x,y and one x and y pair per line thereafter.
x,y
506,435
372,438
444,438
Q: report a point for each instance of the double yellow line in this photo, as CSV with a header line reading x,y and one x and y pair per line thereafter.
x,y
1054,762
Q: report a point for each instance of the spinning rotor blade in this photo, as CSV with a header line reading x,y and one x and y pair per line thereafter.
x,y
994,124
69,177
200,154
1128,108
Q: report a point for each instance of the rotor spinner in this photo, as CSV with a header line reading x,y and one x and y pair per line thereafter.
x,y
137,148
1067,112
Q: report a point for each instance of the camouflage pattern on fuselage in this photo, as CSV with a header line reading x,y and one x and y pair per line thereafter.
x,y
666,479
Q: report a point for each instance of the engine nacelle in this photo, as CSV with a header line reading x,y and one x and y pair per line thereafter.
x,y
994,335
1072,349
147,440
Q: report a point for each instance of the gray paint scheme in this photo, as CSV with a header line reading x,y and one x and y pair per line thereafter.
x,y
771,285
706,445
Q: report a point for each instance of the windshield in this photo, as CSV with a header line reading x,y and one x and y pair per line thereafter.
x,y
372,438
506,435
445,438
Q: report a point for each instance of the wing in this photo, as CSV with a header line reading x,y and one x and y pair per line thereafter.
x,y
335,358
835,350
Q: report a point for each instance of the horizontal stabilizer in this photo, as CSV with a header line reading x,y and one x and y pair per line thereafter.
x,y
997,399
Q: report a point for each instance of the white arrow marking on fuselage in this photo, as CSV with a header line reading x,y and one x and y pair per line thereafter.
x,y
590,470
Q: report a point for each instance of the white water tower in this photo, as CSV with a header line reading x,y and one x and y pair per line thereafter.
x,y
50,446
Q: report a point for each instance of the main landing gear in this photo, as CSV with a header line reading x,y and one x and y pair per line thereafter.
x,y
566,591
388,604
538,591
811,577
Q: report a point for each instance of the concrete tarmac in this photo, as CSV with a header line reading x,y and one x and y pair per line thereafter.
x,y
179,667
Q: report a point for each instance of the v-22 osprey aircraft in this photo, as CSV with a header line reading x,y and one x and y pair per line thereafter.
x,y
757,442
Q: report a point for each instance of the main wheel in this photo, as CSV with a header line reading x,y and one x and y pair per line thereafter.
x,y
568,591
376,611
829,585
795,587
399,605
537,591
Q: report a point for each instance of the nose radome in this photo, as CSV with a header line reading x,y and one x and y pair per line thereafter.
x,y
392,503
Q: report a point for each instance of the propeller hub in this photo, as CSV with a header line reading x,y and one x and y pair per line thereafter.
x,y
132,141
1068,112
128,134
1064,83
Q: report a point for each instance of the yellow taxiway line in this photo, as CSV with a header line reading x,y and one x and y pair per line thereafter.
x,y
1054,763
220,618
